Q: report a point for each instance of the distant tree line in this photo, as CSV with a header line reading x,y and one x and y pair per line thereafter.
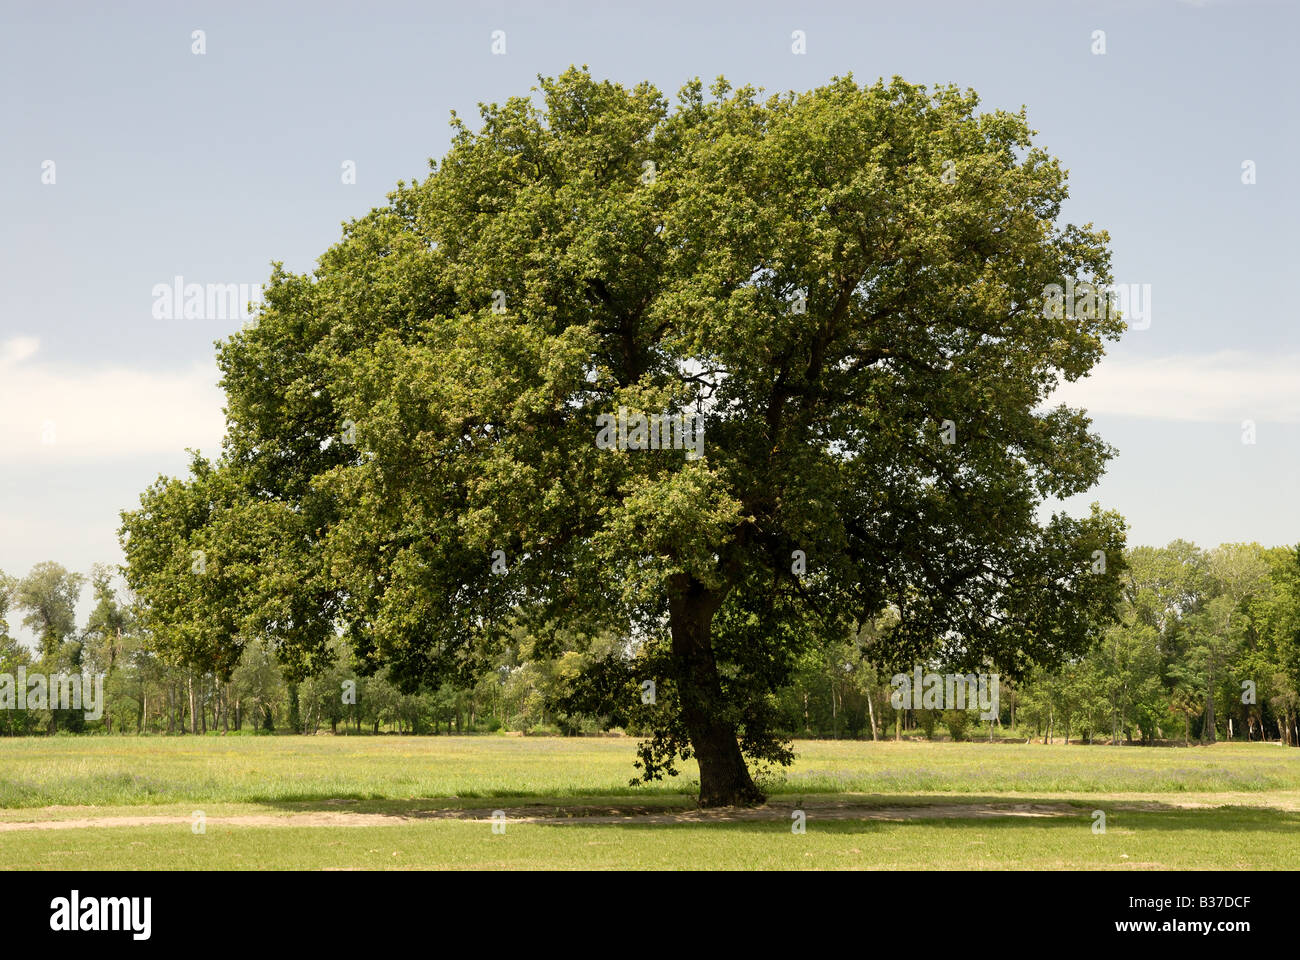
x,y
1206,647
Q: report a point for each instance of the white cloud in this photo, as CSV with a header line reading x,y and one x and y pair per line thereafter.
x,y
50,413
1225,387
17,350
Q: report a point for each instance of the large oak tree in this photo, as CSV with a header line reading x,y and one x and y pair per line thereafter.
x,y
846,285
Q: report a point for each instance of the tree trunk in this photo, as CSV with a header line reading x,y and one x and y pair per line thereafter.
x,y
1207,735
295,717
871,712
835,716
724,777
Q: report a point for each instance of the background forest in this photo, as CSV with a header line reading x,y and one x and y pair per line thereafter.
x,y
1207,647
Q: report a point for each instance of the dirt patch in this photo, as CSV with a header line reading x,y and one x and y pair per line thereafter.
x,y
252,820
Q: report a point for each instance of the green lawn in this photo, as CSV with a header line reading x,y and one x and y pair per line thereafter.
x,y
425,802
40,771
1236,840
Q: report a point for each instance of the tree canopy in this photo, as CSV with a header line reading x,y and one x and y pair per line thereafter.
x,y
843,289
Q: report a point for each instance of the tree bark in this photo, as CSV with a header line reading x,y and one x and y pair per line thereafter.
x,y
724,776
1208,734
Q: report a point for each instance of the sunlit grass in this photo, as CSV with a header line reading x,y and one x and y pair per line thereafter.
x,y
1236,839
93,771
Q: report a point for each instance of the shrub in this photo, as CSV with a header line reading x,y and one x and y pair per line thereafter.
x,y
957,722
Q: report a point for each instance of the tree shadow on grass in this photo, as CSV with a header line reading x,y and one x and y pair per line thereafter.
x,y
850,810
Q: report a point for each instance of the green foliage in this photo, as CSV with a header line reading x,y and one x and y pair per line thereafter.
x,y
49,595
1145,679
927,719
957,722
429,396
1197,628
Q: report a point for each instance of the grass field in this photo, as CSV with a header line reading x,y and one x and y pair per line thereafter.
x,y
429,802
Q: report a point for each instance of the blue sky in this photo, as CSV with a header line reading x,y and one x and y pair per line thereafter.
x,y
211,166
